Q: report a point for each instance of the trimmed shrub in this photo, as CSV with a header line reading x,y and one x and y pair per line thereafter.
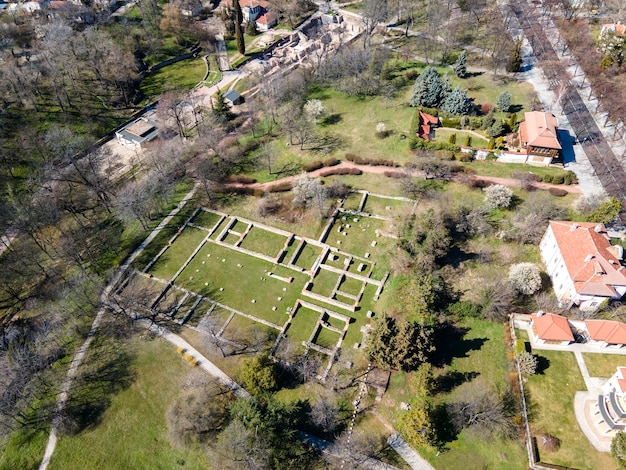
x,y
411,74
394,174
558,179
451,122
280,187
570,178
547,178
312,166
351,157
341,171
485,108
452,139
331,162
558,192
242,179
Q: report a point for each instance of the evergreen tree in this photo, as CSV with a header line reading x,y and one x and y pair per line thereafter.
x,y
241,45
497,129
460,66
380,342
515,62
251,28
220,107
457,102
618,449
427,89
504,101
446,87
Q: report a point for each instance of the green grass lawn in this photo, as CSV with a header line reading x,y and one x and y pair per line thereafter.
x,y
307,256
206,219
326,338
132,432
386,207
23,450
174,257
604,365
506,170
353,201
360,235
181,76
351,286
324,282
242,285
263,241
241,329
551,400
443,135
302,324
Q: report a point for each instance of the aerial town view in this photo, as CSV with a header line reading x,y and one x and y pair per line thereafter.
x,y
310,234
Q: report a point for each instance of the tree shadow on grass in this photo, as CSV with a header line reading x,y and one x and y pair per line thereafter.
x,y
450,343
542,365
447,382
331,119
445,431
105,372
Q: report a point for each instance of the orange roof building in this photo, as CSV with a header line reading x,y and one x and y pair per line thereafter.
x,y
618,28
585,268
538,135
427,125
552,328
607,332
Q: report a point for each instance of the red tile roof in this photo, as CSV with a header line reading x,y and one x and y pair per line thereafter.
x,y
551,327
611,332
267,18
539,130
590,259
426,121
620,29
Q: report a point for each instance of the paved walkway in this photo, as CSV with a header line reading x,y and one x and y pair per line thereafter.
x,y
410,456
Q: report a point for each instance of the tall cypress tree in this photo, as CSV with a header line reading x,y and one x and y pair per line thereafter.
x,y
460,66
241,44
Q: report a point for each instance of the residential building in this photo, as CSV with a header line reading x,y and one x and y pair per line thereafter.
x,y
611,404
551,329
539,137
258,11
232,97
585,268
606,333
427,125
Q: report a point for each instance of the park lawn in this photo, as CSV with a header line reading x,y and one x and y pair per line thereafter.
x,y
307,256
551,400
355,120
181,76
231,238
350,285
242,329
242,285
23,450
185,307
169,301
375,183
443,135
360,235
302,325
604,365
206,219
386,207
264,241
218,317
220,226
174,257
290,250
353,201
324,282
133,430
326,338
335,322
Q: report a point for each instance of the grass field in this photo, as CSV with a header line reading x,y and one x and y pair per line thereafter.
x,y
307,256
386,207
181,76
551,402
206,219
443,135
263,241
132,432
359,235
604,365
177,254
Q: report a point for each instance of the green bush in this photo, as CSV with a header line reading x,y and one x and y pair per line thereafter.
x,y
570,177
464,308
547,178
451,122
465,142
452,139
491,144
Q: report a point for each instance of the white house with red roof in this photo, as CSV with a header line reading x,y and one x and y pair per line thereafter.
x,y
606,333
539,137
585,268
551,329
259,11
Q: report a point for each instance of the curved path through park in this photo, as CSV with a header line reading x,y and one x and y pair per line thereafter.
x,y
573,189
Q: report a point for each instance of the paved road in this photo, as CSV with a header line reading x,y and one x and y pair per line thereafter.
x,y
410,456
606,166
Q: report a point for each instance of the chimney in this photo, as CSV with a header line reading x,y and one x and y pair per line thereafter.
x,y
599,228
573,227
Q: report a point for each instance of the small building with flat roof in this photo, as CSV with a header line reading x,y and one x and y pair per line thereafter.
x,y
138,132
232,97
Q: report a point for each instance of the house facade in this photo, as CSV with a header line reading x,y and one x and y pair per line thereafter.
x,y
538,136
584,267
259,11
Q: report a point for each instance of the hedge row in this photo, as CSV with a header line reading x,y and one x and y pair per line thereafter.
x,y
341,171
370,161
317,164
242,179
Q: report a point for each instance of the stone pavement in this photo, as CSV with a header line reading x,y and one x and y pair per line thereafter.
x,y
410,456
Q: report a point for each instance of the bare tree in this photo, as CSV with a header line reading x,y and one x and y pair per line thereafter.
x,y
373,12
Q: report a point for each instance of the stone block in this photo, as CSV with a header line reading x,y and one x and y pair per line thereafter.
x,y
370,314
